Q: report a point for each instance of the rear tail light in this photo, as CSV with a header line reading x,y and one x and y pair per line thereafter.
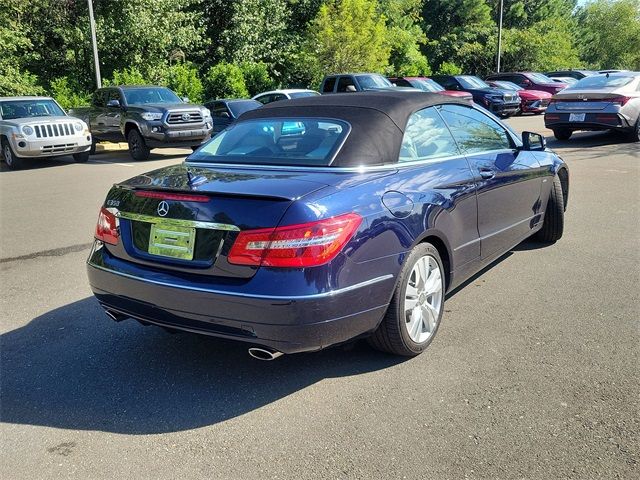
x,y
620,100
180,197
107,227
302,245
551,117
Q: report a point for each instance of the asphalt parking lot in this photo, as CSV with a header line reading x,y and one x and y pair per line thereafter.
x,y
533,374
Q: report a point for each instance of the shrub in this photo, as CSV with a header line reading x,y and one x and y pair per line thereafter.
x,y
256,77
183,79
68,93
127,76
448,68
224,80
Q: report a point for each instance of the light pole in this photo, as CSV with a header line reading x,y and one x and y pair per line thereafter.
x,y
500,34
94,43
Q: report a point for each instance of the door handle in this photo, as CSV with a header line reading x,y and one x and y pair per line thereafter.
x,y
487,172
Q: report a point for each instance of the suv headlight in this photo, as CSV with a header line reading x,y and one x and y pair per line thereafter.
x,y
206,113
27,130
78,126
151,115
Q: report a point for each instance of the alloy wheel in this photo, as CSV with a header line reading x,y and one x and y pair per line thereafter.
x,y
423,299
8,155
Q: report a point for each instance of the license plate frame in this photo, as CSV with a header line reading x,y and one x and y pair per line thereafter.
x,y
577,117
171,241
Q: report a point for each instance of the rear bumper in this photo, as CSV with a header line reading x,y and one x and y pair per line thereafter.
x,y
592,121
288,324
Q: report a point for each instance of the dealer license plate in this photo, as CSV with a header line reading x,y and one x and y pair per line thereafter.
x,y
172,241
576,117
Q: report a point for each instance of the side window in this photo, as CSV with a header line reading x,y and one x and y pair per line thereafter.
x,y
114,94
344,83
99,98
401,82
278,96
426,137
264,99
219,110
518,80
329,83
474,131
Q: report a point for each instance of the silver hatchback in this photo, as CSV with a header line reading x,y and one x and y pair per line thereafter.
x,y
599,102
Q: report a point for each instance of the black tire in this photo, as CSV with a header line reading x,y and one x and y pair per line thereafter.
x,y
92,150
553,225
562,133
392,334
634,135
137,146
10,158
81,157
195,147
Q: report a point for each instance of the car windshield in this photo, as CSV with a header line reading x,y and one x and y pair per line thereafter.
x,y
303,94
508,85
238,108
141,96
427,85
539,77
373,81
11,109
296,142
469,81
602,81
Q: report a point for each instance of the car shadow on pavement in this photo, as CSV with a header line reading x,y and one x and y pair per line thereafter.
x,y
74,368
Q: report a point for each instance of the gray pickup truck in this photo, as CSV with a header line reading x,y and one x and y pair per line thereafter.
x,y
145,117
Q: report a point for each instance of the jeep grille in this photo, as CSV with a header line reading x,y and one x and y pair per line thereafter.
x,y
54,130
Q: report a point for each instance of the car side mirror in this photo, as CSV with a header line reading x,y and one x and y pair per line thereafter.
x,y
526,82
533,141
350,89
225,115
113,104
185,99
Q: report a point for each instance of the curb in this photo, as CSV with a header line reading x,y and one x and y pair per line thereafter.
x,y
111,147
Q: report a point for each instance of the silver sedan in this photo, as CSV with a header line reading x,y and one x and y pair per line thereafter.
x,y
600,102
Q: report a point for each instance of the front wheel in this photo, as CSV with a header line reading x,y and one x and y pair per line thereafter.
x,y
137,146
634,135
415,311
10,158
562,134
553,225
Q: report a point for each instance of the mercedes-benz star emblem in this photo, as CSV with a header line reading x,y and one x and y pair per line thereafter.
x,y
186,117
163,208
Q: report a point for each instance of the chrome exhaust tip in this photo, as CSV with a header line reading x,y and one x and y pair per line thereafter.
x,y
264,354
115,316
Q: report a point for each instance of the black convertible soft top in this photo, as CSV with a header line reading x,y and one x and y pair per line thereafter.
x,y
377,120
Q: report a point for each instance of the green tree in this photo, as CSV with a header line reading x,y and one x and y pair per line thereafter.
x,y
68,93
224,80
405,36
350,35
256,77
127,76
609,34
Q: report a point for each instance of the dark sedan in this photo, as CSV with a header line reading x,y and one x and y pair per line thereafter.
x,y
227,110
499,101
316,221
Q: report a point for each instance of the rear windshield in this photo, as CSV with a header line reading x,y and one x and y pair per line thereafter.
x,y
281,141
540,77
238,108
303,94
472,82
426,85
602,81
11,109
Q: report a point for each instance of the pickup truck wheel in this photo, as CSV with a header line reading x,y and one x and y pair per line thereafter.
x,y
562,133
10,158
137,147
553,224
81,157
415,311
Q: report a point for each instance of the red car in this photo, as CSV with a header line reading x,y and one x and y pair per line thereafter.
x,y
428,85
530,81
533,101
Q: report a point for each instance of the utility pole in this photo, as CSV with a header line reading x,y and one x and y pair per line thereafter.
x,y
94,43
500,34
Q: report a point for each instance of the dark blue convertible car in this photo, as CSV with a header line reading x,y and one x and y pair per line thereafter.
x,y
315,221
